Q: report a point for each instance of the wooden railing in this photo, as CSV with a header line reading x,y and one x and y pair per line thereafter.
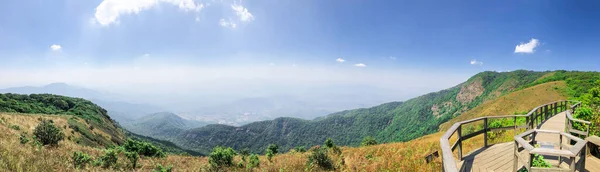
x,y
567,151
533,119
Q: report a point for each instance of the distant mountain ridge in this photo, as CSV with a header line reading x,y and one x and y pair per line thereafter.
x,y
161,125
389,122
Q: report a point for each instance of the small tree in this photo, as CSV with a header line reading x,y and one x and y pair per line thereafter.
x,y
221,156
80,159
109,158
320,158
329,143
253,161
272,149
244,153
133,157
300,149
368,141
48,134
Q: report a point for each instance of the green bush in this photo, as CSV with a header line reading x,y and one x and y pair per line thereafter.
x,y
368,141
253,161
109,158
320,158
539,161
80,159
161,168
271,151
143,148
48,134
221,156
300,149
133,157
23,139
15,127
244,153
329,143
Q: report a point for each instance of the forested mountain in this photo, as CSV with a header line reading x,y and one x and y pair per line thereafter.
x,y
389,122
162,125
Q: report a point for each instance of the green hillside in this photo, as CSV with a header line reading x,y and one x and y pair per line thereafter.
x,y
389,122
162,125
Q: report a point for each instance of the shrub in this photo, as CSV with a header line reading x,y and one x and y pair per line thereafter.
x,y
253,161
80,159
272,149
15,127
329,143
320,158
23,139
300,149
133,157
539,161
161,168
368,141
244,153
221,156
109,158
143,148
47,133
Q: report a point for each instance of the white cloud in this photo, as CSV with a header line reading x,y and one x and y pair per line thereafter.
x,y
475,62
227,23
109,10
242,12
360,65
392,58
55,47
340,60
527,47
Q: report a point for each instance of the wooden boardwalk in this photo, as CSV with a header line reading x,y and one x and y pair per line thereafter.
x,y
500,157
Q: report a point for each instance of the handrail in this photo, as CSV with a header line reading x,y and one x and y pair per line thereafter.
x,y
536,115
576,150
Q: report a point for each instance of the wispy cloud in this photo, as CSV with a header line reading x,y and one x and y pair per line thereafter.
x,y
227,23
108,11
55,47
242,12
360,65
392,58
341,60
475,62
527,47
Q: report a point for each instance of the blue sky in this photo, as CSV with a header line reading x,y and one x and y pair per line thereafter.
x,y
430,44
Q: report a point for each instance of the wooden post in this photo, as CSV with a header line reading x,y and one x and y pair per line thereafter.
x,y
560,146
485,132
572,164
515,125
555,109
516,158
460,142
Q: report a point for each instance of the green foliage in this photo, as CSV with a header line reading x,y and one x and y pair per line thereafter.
x,y
271,151
539,161
221,157
320,158
109,158
244,153
80,159
368,141
47,133
161,168
143,148
23,139
300,149
133,157
167,146
329,143
15,127
253,161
